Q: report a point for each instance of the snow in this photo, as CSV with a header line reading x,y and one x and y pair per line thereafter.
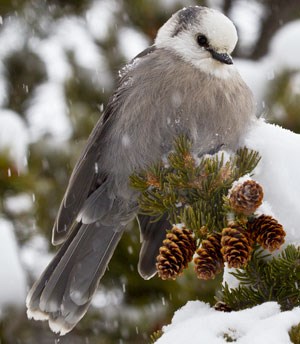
x,y
125,140
197,322
108,298
13,281
14,138
12,36
47,113
131,42
257,76
283,50
282,56
278,172
52,54
18,204
73,35
35,255
247,16
100,18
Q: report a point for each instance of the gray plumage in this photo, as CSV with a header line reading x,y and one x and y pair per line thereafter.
x,y
164,92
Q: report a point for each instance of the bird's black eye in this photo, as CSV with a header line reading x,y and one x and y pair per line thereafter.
x,y
202,41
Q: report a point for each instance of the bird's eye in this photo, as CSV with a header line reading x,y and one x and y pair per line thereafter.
x,y
202,41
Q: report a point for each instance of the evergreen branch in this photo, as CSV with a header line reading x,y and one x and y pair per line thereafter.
x,y
182,159
294,334
264,280
245,160
139,181
241,297
155,336
192,219
190,191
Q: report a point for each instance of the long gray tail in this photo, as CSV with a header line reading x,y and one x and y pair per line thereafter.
x,y
63,293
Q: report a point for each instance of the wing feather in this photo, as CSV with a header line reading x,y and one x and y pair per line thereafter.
x,y
87,177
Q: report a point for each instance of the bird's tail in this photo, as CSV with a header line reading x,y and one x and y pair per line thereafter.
x,y
63,293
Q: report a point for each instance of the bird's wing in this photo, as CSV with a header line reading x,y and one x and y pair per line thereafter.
x,y
145,52
87,177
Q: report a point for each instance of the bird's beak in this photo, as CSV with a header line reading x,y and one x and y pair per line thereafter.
x,y
224,58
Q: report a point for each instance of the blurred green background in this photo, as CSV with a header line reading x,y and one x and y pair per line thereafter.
x,y
59,61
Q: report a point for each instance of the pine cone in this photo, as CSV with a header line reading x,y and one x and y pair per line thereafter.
x,y
209,260
236,246
245,198
175,254
267,232
222,307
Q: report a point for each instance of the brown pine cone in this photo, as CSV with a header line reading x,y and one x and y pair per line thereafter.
x,y
222,307
209,260
267,232
175,254
245,198
236,246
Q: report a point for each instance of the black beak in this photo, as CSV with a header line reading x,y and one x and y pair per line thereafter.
x,y
224,58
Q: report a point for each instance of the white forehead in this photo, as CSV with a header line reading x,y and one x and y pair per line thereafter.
x,y
219,29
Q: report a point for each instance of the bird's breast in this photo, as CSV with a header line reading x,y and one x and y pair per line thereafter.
x,y
164,100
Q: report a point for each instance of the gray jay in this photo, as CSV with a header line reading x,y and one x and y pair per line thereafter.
x,y
185,83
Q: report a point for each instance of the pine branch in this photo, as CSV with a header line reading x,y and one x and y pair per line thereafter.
x,y
264,280
195,193
240,297
181,159
245,160
191,192
155,336
294,334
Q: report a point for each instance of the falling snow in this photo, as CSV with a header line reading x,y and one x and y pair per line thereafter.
x,y
126,140
47,115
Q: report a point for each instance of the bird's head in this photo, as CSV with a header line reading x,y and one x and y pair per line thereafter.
x,y
201,36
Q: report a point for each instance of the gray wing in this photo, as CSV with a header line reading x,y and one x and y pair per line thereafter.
x,y
145,52
87,179
90,221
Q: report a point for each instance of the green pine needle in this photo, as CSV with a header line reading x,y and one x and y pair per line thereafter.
x,y
191,191
294,334
155,336
267,279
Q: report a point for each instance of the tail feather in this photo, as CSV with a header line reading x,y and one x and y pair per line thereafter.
x,y
86,280
33,297
56,287
152,234
64,291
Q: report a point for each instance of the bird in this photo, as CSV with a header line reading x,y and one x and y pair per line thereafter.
x,y
184,84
